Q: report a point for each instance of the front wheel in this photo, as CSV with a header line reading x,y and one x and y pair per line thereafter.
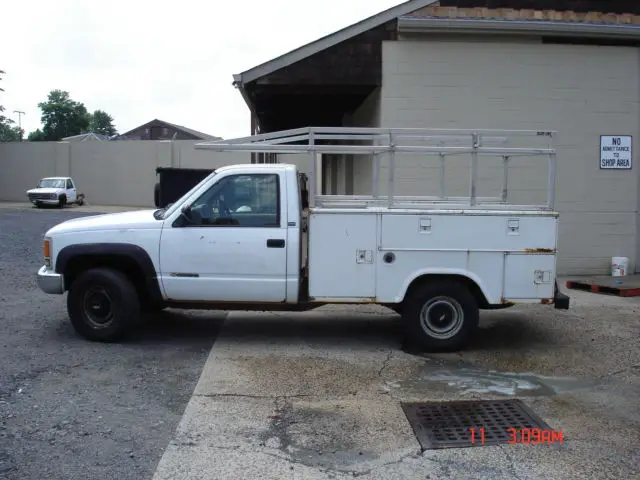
x,y
440,316
62,201
103,305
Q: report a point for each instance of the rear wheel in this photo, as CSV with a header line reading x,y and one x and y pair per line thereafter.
x,y
440,316
103,305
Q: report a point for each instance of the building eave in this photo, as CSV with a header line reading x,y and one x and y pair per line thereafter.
x,y
517,27
329,41
237,82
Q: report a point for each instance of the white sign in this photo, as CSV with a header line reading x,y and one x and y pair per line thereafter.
x,y
615,151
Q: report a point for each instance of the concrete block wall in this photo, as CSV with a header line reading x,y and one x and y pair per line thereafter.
x,y
108,173
580,91
367,115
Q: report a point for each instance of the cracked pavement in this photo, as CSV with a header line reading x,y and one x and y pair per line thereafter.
x,y
317,396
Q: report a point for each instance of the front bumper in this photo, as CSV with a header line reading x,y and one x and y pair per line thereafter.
x,y
560,300
46,201
50,281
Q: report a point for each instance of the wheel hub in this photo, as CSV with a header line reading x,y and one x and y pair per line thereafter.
x,y
98,307
441,317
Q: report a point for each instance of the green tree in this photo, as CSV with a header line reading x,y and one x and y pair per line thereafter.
x,y
9,131
62,117
36,136
101,122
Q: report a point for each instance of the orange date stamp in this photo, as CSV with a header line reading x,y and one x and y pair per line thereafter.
x,y
526,436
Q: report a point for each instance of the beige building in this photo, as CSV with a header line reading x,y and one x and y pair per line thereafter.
x,y
423,65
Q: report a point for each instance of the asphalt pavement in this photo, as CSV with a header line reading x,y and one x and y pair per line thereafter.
x,y
72,409
314,395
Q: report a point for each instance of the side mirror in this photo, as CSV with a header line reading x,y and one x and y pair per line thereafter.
x,y
186,212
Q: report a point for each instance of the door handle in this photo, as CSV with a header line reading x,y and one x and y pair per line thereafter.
x,y
275,243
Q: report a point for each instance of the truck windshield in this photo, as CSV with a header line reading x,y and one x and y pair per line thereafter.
x,y
51,183
169,209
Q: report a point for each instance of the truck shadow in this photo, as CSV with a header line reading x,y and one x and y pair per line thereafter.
x,y
177,327
326,330
510,332
513,331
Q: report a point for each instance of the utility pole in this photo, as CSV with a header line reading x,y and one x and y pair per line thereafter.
x,y
20,113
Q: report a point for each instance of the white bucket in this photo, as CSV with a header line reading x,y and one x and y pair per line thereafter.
x,y
619,266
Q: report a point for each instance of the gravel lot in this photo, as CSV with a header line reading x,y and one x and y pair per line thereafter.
x,y
74,409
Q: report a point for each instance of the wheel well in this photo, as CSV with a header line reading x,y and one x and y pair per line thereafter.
x,y
466,281
123,263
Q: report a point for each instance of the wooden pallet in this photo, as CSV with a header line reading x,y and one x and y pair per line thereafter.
x,y
630,286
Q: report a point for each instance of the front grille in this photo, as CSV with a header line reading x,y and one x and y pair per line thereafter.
x,y
42,196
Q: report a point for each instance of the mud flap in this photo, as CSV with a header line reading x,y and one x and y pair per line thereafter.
x,y
560,300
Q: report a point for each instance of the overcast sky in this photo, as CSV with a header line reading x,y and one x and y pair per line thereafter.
x,y
139,59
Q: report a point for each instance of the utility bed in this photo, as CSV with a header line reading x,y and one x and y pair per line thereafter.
x,y
368,248
371,256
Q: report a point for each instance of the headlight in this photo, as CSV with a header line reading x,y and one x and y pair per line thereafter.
x,y
53,196
46,250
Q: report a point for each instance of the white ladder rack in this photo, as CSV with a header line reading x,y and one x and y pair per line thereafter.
x,y
389,141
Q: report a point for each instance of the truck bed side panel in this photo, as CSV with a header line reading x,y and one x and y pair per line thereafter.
x,y
342,255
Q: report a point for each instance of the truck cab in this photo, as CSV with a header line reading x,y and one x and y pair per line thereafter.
x,y
256,237
242,229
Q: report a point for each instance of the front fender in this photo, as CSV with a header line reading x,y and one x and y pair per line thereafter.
x,y
127,250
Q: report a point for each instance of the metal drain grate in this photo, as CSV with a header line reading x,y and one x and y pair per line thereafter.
x,y
459,424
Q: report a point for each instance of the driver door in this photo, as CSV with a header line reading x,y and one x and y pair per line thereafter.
x,y
71,193
232,247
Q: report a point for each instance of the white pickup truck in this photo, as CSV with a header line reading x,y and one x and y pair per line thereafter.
x,y
257,236
59,191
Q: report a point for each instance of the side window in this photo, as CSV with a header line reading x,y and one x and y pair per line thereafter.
x,y
69,184
251,200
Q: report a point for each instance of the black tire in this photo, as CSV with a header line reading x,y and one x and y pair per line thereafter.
x,y
156,195
449,301
153,308
115,301
62,201
38,204
80,200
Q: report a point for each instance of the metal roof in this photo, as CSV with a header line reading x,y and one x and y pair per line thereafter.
x,y
196,133
432,24
425,11
85,136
